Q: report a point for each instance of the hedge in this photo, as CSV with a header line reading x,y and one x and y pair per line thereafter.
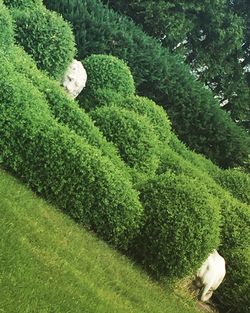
x,y
178,232
236,182
47,38
196,115
63,108
23,4
155,113
105,73
132,134
60,165
233,294
6,29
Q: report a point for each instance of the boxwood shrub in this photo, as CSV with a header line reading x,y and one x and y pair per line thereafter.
x,y
62,166
155,113
46,37
6,29
181,225
196,116
23,4
132,134
233,294
63,108
107,75
236,182
195,158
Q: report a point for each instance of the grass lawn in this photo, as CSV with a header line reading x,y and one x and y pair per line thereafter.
x,y
49,264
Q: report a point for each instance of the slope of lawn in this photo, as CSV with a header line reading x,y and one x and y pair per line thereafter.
x,y
49,264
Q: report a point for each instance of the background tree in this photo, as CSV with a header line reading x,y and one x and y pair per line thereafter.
x,y
212,36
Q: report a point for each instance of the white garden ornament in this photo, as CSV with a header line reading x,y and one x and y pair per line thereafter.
x,y
75,78
210,275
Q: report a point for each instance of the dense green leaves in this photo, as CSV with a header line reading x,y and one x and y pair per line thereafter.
x,y
6,29
195,114
46,37
61,165
208,35
178,232
132,134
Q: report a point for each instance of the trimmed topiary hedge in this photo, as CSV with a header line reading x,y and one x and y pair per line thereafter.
x,y
236,182
6,29
156,114
60,165
132,134
233,294
107,75
63,108
46,37
181,225
23,4
196,116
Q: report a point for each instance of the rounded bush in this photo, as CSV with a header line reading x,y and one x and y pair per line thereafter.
x,y
6,29
233,294
47,38
155,113
21,4
235,230
132,134
196,159
106,74
181,225
61,165
63,107
236,182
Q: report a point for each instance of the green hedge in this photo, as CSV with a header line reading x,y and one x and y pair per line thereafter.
x,y
196,115
235,231
60,165
146,107
23,4
106,74
233,294
236,182
181,225
6,29
63,108
47,38
132,134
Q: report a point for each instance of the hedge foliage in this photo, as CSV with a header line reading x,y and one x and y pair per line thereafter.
x,y
63,108
236,182
235,231
6,29
178,232
62,166
47,38
233,294
155,113
106,74
23,4
132,134
196,115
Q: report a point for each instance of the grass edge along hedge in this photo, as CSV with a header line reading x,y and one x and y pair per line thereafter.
x,y
194,113
61,166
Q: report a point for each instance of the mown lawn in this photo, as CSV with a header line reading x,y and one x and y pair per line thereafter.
x,y
49,264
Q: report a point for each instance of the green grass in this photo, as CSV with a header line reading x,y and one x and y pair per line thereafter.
x,y
49,264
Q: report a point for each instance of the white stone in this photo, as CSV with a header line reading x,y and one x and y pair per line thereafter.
x,y
75,78
211,275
